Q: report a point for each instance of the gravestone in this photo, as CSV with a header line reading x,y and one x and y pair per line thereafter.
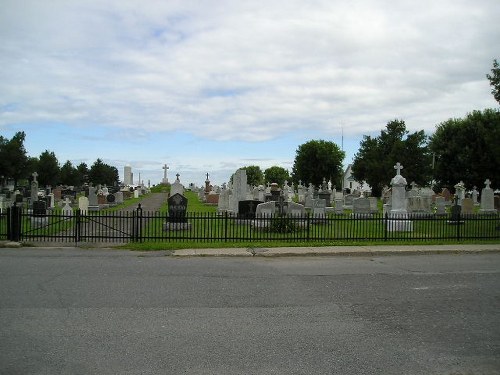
x,y
110,199
399,215
373,205
487,199
177,187
34,189
296,210
39,208
319,209
361,208
119,197
83,205
440,206
247,209
39,216
467,206
446,194
67,210
339,206
460,192
455,213
177,208
263,214
92,195
223,204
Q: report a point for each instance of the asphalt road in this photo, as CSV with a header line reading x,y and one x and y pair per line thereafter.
x,y
74,311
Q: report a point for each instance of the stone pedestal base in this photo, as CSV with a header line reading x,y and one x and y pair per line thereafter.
x,y
167,226
39,221
400,226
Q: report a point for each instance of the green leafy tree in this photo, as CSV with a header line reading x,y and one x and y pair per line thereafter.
x,y
48,169
468,150
102,173
318,159
13,157
82,173
376,157
494,78
255,176
69,174
276,174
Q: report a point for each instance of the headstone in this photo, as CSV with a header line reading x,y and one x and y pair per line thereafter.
x,y
137,193
177,208
39,216
373,205
223,204
247,209
361,207
165,179
119,197
467,206
460,192
296,210
177,187
34,189
39,208
348,199
487,199
446,194
110,199
440,206
319,208
93,203
239,189
455,213
325,194
475,195
67,210
57,193
83,205
264,214
339,206
399,215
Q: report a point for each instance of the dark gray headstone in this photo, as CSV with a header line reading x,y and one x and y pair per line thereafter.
x,y
177,207
39,208
246,209
110,198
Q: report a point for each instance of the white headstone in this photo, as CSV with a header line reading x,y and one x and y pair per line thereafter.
x,y
83,205
487,199
67,210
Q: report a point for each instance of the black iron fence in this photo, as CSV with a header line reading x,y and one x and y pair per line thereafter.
x,y
137,226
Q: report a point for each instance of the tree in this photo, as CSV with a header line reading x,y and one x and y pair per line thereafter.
x,y
468,150
255,177
82,173
102,173
13,157
276,174
316,160
48,169
376,157
69,174
495,80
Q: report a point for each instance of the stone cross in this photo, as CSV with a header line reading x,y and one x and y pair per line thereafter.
x,y
398,168
35,175
413,185
487,183
165,167
177,175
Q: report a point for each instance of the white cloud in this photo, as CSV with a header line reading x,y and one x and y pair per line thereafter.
x,y
232,70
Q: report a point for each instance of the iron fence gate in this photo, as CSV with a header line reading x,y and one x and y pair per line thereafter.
x,y
136,226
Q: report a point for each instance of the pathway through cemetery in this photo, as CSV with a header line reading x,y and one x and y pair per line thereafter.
x,y
103,229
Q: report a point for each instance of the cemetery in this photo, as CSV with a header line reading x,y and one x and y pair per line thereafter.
x,y
239,212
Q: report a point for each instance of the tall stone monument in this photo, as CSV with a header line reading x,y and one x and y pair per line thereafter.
x,y
487,199
399,214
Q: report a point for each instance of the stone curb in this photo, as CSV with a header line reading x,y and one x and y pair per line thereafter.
x,y
340,251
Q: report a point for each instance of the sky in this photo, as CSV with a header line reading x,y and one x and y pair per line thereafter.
x,y
212,86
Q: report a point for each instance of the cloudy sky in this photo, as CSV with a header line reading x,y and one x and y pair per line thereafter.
x,y
211,86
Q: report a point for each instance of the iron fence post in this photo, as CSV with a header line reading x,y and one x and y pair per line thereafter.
x,y
14,229
77,225
308,225
139,223
386,223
